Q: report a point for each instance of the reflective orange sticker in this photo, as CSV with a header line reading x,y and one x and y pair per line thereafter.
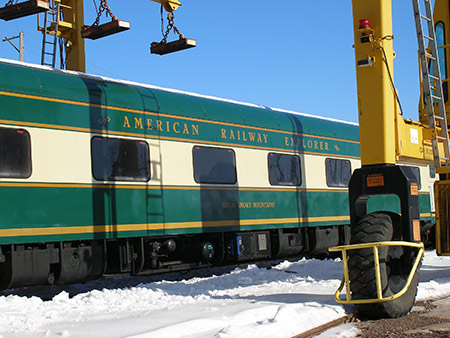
x,y
416,230
414,189
376,180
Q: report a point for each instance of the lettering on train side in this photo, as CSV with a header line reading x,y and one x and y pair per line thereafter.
x,y
243,135
264,205
300,142
165,126
248,205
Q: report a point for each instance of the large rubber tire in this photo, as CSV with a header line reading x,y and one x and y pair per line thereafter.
x,y
379,227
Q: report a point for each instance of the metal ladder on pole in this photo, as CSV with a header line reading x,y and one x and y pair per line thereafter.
x,y
50,34
432,83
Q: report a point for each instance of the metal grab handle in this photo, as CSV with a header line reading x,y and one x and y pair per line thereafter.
x,y
346,281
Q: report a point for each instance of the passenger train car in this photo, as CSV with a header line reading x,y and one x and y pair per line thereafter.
x,y
102,176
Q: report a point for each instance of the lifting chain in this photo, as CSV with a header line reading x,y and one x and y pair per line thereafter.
x,y
170,26
103,7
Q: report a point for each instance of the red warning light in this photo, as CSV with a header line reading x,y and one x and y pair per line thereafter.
x,y
364,23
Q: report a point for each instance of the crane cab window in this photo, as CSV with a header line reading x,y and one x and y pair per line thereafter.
x,y
15,153
338,172
115,159
432,171
416,172
284,169
214,165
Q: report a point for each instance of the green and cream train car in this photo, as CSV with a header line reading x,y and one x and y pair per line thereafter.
x,y
102,176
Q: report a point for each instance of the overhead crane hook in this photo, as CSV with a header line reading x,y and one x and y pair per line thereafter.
x,y
164,47
169,5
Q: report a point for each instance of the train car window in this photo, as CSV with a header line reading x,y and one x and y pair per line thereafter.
x,y
416,171
15,153
115,159
284,169
214,165
338,172
432,171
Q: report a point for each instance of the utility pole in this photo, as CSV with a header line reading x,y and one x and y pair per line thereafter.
x,y
20,49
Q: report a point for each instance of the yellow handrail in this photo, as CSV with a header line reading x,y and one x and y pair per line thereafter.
x,y
380,299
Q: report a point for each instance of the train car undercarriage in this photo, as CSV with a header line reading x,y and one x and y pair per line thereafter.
x,y
79,261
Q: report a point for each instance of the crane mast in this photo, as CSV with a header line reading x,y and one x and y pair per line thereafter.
x,y
374,65
73,14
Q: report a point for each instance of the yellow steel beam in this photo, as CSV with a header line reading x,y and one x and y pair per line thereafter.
x,y
374,61
75,52
413,142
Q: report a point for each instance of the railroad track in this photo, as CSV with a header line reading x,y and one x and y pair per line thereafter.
x,y
322,328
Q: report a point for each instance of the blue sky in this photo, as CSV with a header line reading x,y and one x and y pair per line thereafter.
x,y
295,55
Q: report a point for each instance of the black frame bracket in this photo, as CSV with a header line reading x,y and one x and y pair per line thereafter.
x,y
387,180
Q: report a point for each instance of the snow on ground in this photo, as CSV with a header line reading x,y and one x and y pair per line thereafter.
x,y
286,300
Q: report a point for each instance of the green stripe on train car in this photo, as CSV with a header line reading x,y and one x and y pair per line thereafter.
x,y
67,213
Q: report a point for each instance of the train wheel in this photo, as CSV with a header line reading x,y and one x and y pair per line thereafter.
x,y
379,227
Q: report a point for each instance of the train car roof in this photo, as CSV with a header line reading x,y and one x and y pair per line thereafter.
x,y
132,109
139,84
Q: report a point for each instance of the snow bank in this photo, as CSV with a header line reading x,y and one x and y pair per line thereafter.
x,y
290,298
434,279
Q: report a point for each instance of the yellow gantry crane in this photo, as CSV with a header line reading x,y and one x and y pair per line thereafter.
x,y
64,19
68,25
380,264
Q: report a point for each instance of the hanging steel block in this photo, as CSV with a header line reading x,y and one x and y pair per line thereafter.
x,y
162,48
22,9
96,32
